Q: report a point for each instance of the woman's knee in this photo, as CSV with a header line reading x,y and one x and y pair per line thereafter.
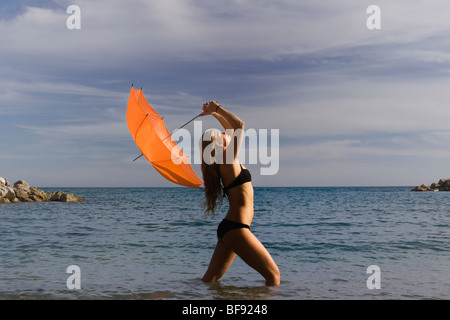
x,y
273,277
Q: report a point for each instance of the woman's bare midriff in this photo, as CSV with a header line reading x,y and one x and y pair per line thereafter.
x,y
241,204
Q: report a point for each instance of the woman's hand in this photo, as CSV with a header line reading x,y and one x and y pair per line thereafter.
x,y
210,107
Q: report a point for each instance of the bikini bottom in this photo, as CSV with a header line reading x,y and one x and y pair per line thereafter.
x,y
227,225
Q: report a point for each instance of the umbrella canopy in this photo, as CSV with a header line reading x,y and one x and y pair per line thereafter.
x,y
155,142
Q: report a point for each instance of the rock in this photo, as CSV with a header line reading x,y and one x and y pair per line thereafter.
x,y
21,185
3,191
38,195
4,182
7,194
22,192
442,185
434,186
423,187
22,195
65,197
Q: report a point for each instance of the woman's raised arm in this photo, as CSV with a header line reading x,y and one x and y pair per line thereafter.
x,y
226,118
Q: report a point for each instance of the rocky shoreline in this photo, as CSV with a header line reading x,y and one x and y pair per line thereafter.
x,y
22,192
442,185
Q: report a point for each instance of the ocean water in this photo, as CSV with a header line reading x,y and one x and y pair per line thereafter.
x,y
154,243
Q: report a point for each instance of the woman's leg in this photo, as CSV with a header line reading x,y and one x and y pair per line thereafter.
x,y
244,243
221,261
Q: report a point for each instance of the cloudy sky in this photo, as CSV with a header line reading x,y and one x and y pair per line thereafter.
x,y
353,106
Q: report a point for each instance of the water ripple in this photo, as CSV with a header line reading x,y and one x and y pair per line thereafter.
x,y
154,243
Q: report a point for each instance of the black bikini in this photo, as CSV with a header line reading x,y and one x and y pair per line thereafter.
x,y
243,177
227,225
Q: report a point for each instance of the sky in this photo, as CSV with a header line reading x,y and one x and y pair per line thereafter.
x,y
354,106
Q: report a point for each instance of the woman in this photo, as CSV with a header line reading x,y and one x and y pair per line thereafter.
x,y
223,169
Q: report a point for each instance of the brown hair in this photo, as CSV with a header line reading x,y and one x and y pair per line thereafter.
x,y
212,181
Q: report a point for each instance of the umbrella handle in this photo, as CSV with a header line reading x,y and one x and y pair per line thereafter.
x,y
138,157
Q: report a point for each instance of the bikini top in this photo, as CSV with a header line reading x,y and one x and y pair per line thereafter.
x,y
243,177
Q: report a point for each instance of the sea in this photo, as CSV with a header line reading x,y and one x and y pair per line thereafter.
x,y
330,243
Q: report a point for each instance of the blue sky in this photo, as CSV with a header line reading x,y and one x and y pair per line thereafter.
x,y
354,106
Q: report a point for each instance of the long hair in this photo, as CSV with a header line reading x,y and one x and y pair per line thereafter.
x,y
211,175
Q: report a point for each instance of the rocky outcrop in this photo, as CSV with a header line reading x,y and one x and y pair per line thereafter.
x,y
442,185
64,197
22,192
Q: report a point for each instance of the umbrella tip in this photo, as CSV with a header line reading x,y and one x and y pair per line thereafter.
x,y
132,85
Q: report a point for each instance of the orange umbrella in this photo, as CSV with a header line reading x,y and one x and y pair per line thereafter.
x,y
156,144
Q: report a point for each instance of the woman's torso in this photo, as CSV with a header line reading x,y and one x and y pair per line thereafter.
x,y
240,197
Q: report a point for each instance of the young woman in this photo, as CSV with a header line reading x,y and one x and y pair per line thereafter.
x,y
223,175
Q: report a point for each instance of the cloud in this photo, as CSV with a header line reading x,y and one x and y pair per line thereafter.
x,y
196,30
336,90
357,106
